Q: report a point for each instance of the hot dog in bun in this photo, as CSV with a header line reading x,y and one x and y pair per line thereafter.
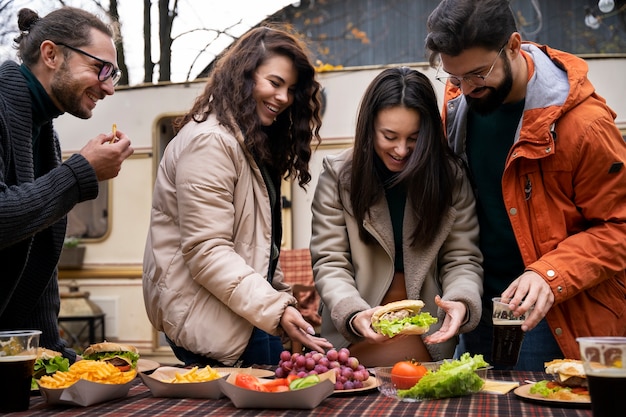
x,y
122,356
402,317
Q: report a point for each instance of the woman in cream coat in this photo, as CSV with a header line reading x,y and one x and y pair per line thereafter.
x,y
394,218
211,278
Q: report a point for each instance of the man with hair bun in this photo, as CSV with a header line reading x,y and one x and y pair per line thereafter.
x,y
69,63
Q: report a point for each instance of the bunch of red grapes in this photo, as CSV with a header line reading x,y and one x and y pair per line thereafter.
x,y
350,374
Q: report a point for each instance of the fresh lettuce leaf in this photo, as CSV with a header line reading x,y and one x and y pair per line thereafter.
x,y
542,389
452,379
392,327
48,367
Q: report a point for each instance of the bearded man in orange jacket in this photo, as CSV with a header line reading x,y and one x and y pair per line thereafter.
x,y
547,163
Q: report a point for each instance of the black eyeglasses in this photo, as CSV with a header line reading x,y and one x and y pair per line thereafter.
x,y
107,70
474,80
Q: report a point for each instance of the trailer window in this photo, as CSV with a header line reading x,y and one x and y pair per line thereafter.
x,y
90,219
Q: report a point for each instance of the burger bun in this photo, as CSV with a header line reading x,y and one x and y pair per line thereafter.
x,y
109,347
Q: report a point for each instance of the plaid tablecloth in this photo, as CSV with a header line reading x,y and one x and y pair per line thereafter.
x,y
140,402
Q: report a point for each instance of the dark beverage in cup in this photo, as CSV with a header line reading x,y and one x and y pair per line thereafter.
x,y
604,360
18,351
507,342
17,374
607,394
507,333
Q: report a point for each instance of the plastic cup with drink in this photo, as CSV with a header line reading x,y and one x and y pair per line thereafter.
x,y
604,360
18,351
507,333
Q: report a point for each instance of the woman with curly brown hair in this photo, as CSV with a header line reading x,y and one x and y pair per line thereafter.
x,y
211,278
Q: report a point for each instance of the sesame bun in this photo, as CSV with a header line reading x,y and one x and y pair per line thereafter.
x,y
109,347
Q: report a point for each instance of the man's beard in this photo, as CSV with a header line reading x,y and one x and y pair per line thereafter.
x,y
68,93
496,95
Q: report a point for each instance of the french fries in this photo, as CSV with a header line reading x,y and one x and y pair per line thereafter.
x,y
114,130
195,375
95,371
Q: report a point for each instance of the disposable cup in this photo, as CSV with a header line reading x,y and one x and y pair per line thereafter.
x,y
18,351
507,334
604,360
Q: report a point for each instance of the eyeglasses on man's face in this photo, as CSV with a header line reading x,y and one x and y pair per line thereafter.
x,y
107,70
473,80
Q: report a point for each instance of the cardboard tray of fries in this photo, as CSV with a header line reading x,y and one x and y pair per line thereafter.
x,y
84,393
189,389
305,398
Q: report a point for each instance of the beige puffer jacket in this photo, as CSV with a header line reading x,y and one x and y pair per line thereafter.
x,y
207,252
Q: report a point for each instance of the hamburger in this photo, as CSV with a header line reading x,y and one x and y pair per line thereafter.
x,y
402,317
47,363
569,384
567,372
122,356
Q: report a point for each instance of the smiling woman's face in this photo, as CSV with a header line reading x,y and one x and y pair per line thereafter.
x,y
395,132
274,82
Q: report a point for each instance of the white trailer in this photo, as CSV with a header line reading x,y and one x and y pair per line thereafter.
x,y
112,269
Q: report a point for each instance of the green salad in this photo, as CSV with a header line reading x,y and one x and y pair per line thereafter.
x,y
453,379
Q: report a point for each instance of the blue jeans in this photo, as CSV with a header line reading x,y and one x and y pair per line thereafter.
x,y
262,349
538,347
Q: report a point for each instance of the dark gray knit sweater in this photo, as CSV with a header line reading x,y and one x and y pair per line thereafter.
x,y
33,212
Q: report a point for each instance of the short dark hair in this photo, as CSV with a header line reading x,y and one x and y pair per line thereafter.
x,y
65,25
457,25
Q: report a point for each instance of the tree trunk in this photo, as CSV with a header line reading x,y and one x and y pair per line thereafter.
x,y
121,60
148,65
166,18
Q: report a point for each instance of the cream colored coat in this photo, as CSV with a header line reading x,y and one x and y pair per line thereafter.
x,y
207,252
352,276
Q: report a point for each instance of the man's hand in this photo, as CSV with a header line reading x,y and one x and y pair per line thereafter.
x,y
530,290
106,158
298,329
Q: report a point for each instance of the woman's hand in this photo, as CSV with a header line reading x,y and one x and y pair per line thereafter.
x,y
362,323
455,314
298,329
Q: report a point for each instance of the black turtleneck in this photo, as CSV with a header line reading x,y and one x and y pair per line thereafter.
x,y
44,111
396,200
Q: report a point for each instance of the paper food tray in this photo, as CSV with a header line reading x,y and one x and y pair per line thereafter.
x,y
84,393
305,398
205,390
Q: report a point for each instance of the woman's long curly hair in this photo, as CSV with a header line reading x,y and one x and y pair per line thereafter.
x,y
285,146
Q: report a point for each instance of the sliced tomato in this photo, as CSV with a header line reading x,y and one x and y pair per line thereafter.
x,y
580,390
553,385
123,368
248,381
277,385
